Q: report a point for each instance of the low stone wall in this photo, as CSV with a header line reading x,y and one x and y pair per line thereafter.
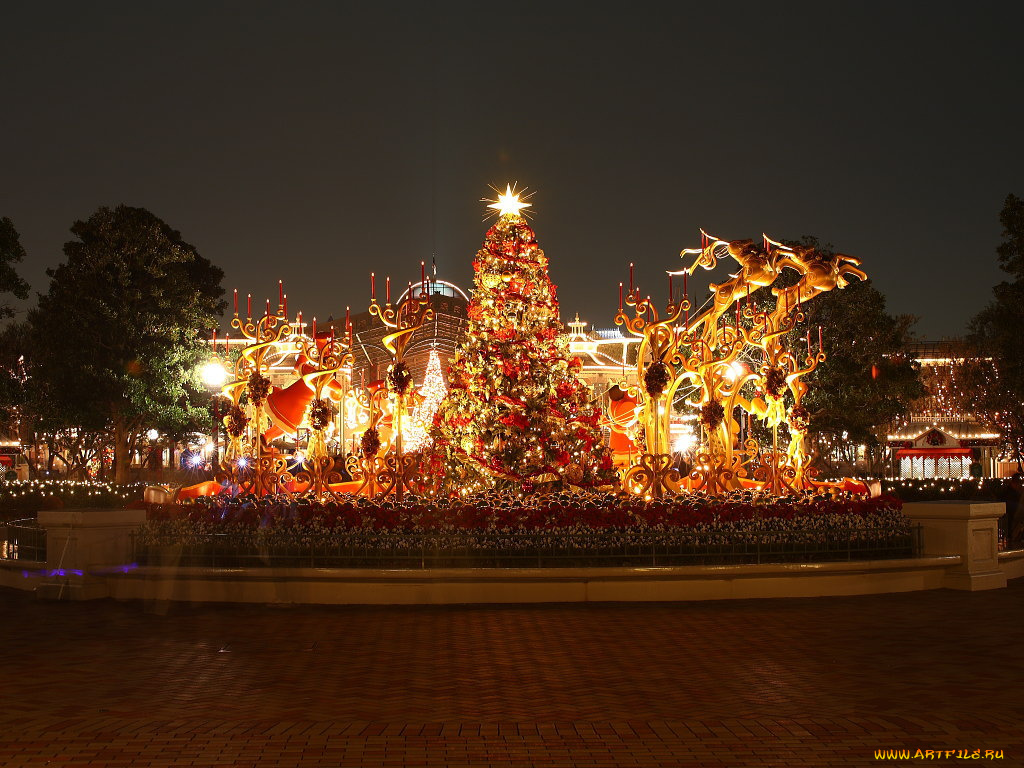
x,y
21,574
1011,563
89,556
529,585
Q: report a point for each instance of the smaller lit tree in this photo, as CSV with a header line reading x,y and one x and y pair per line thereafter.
x,y
417,436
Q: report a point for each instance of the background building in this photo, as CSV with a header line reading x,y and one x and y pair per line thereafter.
x,y
938,439
443,333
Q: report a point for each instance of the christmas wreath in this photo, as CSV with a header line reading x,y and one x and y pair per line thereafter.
x,y
258,387
320,413
799,417
711,414
399,378
656,379
934,438
774,382
369,443
235,421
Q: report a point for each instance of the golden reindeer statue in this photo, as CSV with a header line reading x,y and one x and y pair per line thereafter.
x,y
709,351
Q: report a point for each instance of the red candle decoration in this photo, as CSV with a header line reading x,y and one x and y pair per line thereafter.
x,y
226,336
423,272
670,297
373,287
819,338
808,343
248,306
737,317
387,288
236,302
284,305
631,278
268,307
686,297
314,326
214,340
620,297
280,293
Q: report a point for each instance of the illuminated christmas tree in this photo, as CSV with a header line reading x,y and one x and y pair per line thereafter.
x,y
433,391
516,415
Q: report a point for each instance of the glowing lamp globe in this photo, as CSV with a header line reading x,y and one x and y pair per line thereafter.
x,y
152,434
213,374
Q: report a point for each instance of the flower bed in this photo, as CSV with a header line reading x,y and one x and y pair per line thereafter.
x,y
493,531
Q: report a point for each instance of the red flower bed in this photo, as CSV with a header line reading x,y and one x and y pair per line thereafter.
x,y
542,513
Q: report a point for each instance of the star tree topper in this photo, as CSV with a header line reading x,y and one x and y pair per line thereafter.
x,y
509,202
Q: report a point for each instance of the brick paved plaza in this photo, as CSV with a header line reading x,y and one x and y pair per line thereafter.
x,y
802,682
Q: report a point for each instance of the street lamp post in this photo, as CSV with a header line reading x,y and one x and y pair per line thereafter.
x,y
214,376
215,434
153,435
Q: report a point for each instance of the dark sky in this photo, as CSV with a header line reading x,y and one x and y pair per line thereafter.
x,y
318,141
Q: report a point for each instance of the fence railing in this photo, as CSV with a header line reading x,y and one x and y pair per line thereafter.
x,y
22,540
535,551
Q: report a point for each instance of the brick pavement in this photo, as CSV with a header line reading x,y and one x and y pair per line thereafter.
x,y
795,682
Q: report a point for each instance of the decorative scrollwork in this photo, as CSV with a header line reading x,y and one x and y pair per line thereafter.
x,y
652,475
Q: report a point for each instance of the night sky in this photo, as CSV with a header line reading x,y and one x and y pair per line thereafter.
x,y
318,141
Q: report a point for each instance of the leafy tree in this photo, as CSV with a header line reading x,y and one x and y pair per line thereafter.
x,y
981,391
28,410
998,382
13,377
117,338
11,253
868,380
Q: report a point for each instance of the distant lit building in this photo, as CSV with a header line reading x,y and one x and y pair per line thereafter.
x,y
937,440
607,355
609,359
443,333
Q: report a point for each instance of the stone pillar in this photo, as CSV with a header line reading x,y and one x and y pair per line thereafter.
x,y
83,546
965,528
